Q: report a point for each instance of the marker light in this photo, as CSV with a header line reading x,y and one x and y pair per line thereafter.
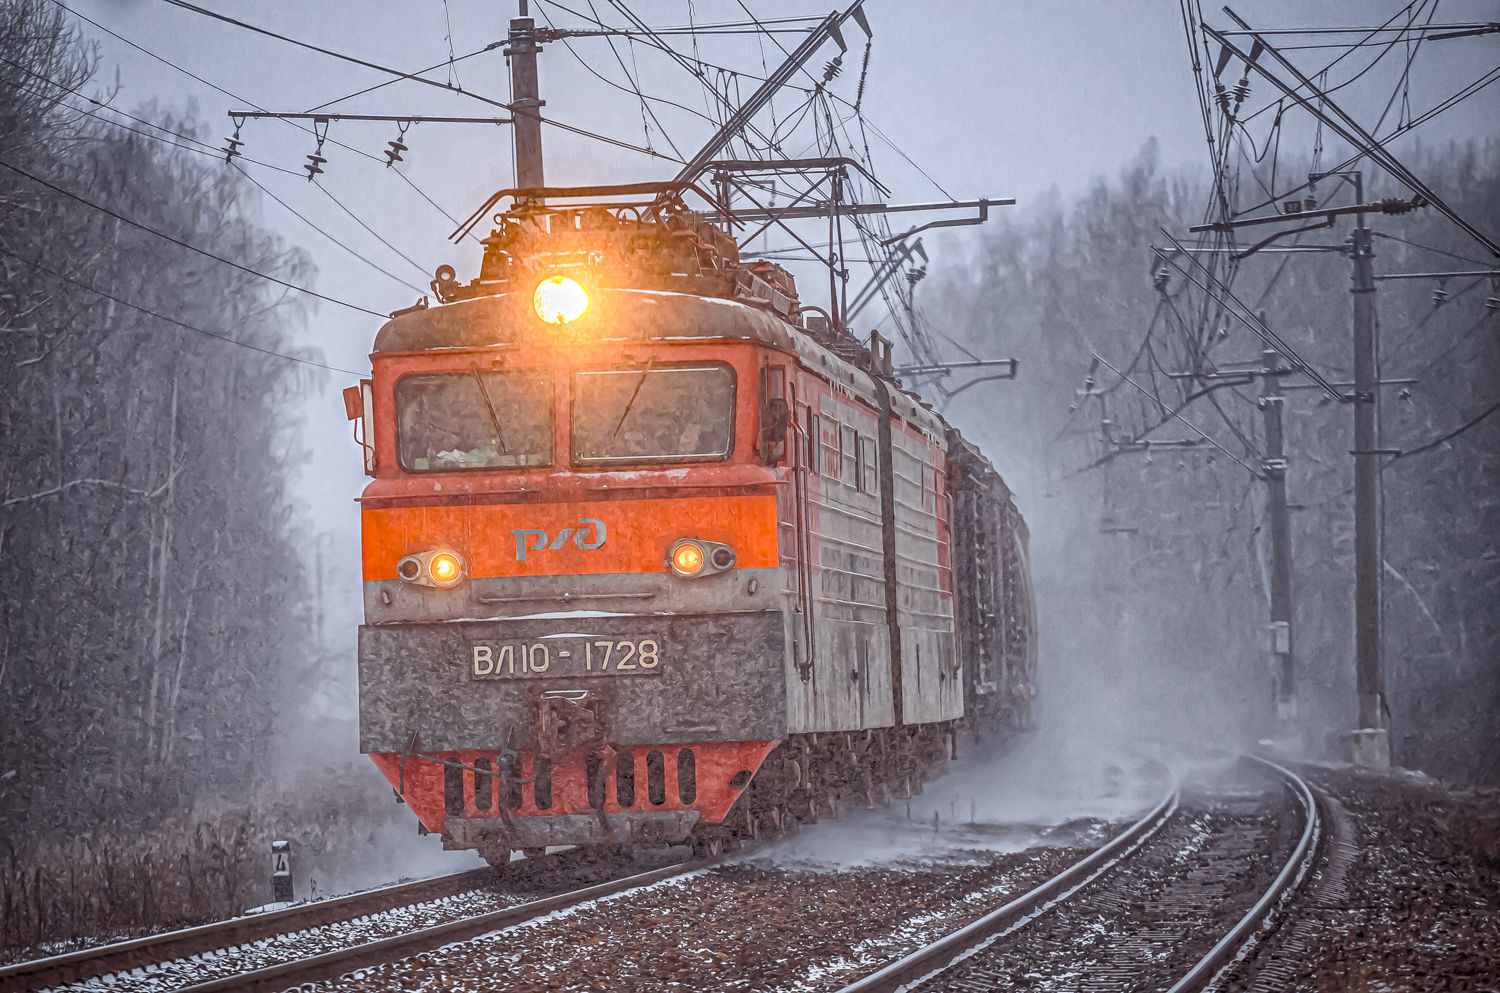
x,y
445,568
687,559
439,567
692,558
559,300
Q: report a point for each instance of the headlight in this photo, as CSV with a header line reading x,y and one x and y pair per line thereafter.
x,y
560,300
445,568
690,557
440,567
687,558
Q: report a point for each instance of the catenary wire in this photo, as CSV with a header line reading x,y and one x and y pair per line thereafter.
x,y
375,234
1450,435
193,248
294,212
194,8
214,152
205,148
234,96
172,320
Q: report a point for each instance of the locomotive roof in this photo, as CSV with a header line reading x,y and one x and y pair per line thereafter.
x,y
641,315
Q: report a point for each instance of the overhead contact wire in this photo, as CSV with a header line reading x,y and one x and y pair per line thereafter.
x,y
172,320
192,248
194,8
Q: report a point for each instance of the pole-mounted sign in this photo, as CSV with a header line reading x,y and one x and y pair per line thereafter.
x,y
281,871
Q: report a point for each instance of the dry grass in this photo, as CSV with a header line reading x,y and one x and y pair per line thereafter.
x,y
61,896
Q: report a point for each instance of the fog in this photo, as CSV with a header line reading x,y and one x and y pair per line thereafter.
x,y
1057,105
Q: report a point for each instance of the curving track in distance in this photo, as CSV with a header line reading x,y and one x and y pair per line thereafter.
x,y
986,951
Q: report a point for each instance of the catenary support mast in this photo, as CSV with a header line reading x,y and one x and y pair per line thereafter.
x,y
1371,746
1274,467
522,48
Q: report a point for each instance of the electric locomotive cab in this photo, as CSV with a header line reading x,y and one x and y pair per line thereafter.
x,y
572,581
634,528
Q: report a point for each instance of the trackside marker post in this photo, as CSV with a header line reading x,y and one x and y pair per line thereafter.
x,y
281,871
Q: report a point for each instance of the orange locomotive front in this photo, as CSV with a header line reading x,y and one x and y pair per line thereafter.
x,y
631,530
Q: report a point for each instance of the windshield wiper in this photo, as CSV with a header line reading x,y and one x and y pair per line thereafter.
x,y
638,384
499,435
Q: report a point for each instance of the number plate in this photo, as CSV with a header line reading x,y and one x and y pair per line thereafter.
x,y
577,655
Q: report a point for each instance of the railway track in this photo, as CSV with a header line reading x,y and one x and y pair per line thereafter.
x,y
1138,912
343,933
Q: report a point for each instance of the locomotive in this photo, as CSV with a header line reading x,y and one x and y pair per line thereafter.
x,y
654,553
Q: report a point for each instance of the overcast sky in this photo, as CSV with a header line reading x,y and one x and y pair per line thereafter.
x,y
987,98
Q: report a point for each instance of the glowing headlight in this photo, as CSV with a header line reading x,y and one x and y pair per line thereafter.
x,y
445,568
687,559
559,300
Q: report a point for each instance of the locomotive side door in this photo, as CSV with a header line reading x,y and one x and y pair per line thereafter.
x,y
803,445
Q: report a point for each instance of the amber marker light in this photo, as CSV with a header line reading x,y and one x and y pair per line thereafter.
x,y
445,568
687,558
560,300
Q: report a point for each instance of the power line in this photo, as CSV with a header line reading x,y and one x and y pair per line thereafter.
x,y
1178,415
1450,435
420,72
213,86
295,213
415,265
183,244
214,152
173,320
448,87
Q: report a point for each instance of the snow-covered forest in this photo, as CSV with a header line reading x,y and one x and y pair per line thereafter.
x,y
152,591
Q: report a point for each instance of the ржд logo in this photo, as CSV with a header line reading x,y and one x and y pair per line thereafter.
x,y
594,528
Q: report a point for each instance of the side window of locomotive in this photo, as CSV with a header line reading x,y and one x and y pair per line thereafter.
x,y
867,475
658,413
849,459
445,421
808,439
828,435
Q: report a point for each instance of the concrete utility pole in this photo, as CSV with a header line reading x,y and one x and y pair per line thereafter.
x,y
525,99
1274,466
1371,744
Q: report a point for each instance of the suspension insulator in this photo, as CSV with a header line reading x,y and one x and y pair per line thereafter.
x,y
231,148
314,166
1221,97
1439,296
1241,90
393,154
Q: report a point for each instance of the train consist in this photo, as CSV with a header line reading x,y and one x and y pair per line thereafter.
x,y
652,554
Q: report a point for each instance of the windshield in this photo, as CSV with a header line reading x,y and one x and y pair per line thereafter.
x,y
653,411
443,421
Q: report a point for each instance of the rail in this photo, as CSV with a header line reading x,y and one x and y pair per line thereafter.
x,y
122,956
331,965
942,953
928,962
1290,877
